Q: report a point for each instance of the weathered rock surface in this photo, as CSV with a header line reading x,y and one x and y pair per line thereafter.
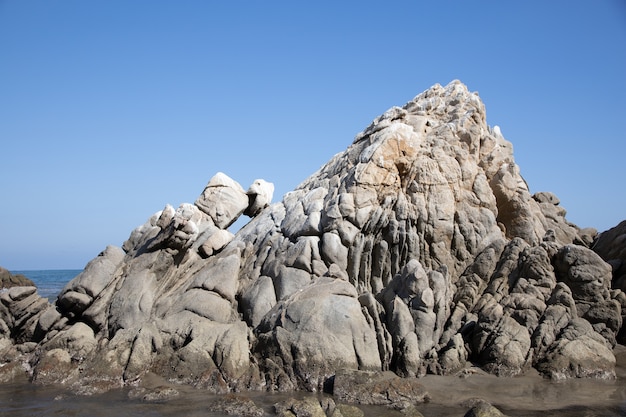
x,y
236,405
378,388
9,280
611,246
484,409
418,249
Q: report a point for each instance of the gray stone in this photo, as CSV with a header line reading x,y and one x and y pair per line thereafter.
x,y
260,195
484,409
378,388
417,249
306,407
216,242
326,307
258,300
97,274
223,200
579,352
237,405
611,247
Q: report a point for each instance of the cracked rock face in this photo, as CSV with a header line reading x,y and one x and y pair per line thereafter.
x,y
418,249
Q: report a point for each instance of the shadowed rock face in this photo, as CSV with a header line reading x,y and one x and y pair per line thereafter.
x,y
418,249
8,280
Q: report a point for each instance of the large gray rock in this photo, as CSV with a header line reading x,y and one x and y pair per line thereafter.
x,y
318,330
418,249
79,293
223,199
578,352
484,409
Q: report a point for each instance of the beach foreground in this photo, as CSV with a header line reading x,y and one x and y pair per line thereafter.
x,y
530,395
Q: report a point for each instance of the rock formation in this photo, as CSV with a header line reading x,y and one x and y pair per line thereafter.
x,y
418,249
9,280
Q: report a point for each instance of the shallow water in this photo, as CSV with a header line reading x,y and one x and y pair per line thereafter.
x,y
450,396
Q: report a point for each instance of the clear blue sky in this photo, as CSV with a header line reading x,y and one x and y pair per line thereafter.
x,y
111,109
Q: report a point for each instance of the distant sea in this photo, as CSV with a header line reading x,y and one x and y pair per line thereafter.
x,y
50,281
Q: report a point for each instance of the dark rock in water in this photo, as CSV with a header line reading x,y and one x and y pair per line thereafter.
x,y
484,409
236,405
157,394
347,410
8,280
378,388
419,249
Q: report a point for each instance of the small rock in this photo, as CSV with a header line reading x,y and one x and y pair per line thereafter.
x,y
158,394
236,405
306,407
484,409
378,388
346,410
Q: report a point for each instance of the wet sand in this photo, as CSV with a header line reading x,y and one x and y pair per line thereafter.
x,y
532,394
529,395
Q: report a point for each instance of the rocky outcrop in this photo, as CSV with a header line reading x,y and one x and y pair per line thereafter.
x,y
9,280
418,249
611,246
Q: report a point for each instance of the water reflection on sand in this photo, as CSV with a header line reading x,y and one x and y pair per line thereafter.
x,y
528,395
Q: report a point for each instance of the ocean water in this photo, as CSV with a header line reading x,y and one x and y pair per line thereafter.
x,y
528,395
51,281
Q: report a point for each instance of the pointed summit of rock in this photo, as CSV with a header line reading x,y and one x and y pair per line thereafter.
x,y
418,249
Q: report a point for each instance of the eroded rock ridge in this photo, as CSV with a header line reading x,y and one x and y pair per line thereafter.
x,y
418,249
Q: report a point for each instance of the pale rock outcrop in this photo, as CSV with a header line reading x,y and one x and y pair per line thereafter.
x,y
578,352
260,195
418,249
216,242
79,293
326,308
223,199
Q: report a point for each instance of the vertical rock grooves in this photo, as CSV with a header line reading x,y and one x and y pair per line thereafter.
x,y
418,249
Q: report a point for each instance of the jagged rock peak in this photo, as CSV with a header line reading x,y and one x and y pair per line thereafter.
x,y
449,104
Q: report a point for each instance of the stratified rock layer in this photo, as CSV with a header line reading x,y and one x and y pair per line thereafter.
x,y
418,249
